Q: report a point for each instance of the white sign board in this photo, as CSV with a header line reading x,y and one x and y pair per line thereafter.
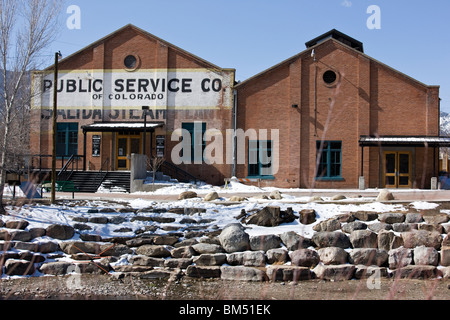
x,y
99,89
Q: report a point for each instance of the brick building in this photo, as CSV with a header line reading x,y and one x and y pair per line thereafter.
x,y
341,115
323,118
102,90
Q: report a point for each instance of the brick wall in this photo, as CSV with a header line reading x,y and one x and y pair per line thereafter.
x,y
369,99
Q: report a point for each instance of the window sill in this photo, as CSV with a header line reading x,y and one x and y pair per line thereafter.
x,y
330,179
261,177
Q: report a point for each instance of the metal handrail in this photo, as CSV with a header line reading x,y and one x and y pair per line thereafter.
x,y
64,169
178,172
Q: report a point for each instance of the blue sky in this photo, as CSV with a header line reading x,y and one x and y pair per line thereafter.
x,y
253,35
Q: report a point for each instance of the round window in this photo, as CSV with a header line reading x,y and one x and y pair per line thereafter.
x,y
130,62
329,77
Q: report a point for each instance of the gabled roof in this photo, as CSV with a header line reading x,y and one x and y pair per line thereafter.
x,y
319,41
146,34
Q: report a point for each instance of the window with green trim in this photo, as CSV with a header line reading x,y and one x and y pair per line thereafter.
x,y
329,154
260,158
197,132
66,139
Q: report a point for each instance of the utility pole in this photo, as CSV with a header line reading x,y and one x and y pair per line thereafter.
x,y
55,116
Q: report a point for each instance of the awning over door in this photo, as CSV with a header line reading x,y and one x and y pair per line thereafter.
x,y
411,141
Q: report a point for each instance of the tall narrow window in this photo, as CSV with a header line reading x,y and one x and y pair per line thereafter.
x,y
67,139
197,132
329,154
260,158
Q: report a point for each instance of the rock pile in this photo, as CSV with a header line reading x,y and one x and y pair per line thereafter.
x,y
348,246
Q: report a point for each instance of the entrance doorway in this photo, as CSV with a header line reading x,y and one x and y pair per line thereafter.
x,y
126,145
397,169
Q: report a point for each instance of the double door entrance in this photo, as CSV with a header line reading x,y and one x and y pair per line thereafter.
x,y
397,169
125,146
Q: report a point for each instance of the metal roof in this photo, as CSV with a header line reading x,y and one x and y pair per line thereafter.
x,y
421,141
121,126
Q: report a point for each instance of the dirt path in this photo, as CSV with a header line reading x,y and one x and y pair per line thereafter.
x,y
88,287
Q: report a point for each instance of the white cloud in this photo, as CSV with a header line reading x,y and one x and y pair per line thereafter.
x,y
346,3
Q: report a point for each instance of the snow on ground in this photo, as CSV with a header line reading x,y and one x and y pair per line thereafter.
x,y
221,213
40,215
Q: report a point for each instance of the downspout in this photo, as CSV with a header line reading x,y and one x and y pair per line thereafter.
x,y
233,169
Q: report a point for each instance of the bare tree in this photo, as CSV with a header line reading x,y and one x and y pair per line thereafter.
x,y
154,164
27,27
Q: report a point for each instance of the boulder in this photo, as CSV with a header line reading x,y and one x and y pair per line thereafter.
x,y
365,215
201,248
48,247
55,268
16,224
415,272
233,238
187,195
265,242
237,199
307,216
165,240
293,241
203,271
153,251
275,195
426,256
254,259
98,220
333,255
37,232
288,273
15,267
445,256
183,252
385,195
241,273
329,225
277,256
387,240
413,217
352,226
271,217
431,227
91,268
235,259
304,258
335,272
379,226
211,196
368,257
363,239
208,259
391,217
338,197
400,257
28,246
20,235
365,272
331,239
145,261
404,227
419,238
436,218
60,232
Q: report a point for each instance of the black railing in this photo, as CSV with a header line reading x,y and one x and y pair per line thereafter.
x,y
174,172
